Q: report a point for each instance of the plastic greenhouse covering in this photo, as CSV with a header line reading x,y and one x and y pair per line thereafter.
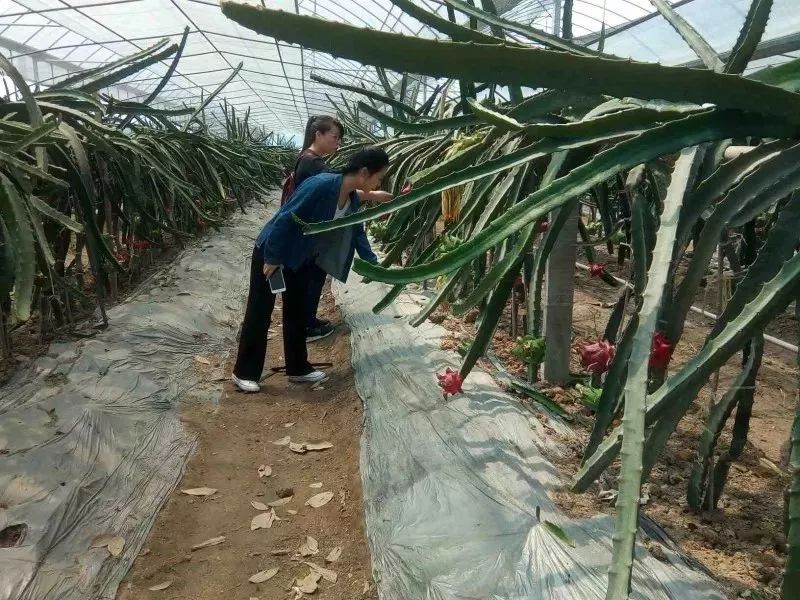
x,y
48,39
122,449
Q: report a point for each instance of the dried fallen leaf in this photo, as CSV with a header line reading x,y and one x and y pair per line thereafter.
x,y
215,541
113,543
284,441
316,486
366,589
101,541
160,586
115,546
318,446
291,512
263,576
310,547
263,520
264,471
202,360
326,574
280,552
334,554
281,502
259,505
299,448
308,585
319,499
201,491
287,425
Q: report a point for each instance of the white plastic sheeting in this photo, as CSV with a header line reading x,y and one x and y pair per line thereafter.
x,y
452,490
47,39
91,436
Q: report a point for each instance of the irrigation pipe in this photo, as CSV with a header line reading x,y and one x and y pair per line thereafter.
x,y
767,338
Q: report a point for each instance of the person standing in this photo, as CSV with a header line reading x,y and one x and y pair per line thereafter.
x,y
282,244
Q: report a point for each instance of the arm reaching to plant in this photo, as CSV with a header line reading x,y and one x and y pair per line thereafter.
x,y
374,197
363,247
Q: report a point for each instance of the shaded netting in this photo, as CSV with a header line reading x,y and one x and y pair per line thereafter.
x,y
48,39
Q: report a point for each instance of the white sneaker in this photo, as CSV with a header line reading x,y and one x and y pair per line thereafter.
x,y
246,386
313,377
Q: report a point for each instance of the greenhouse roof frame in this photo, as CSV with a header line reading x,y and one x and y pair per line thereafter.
x,y
50,39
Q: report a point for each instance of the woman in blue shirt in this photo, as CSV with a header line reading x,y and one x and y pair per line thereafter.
x,y
282,244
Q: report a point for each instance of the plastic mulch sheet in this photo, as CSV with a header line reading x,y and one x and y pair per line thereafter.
x,y
90,434
452,489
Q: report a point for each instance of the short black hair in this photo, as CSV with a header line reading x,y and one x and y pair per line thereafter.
x,y
321,124
372,157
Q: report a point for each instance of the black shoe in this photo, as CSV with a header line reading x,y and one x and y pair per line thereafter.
x,y
319,323
317,333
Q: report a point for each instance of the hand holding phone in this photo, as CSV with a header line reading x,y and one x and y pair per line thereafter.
x,y
276,281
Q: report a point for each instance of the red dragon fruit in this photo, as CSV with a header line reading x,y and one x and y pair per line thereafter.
x,y
543,226
407,188
597,357
122,256
596,270
661,352
450,381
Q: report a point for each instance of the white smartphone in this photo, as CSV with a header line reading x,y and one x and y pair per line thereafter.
x,y
276,282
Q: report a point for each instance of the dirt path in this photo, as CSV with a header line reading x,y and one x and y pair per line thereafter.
x,y
234,440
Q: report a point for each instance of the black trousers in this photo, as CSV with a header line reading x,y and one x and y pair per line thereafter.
x,y
316,281
258,316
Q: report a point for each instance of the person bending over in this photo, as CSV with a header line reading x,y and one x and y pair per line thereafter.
x,y
323,135
283,245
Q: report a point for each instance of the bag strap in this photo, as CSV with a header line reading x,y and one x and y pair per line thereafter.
x,y
303,154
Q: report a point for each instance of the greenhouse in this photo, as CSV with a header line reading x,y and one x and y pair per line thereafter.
x,y
400,299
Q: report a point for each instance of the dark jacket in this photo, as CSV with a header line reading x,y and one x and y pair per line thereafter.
x,y
283,242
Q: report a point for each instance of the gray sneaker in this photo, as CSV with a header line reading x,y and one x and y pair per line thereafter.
x,y
317,333
313,377
245,385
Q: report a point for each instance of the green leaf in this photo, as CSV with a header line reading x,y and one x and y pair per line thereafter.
x,y
128,68
786,76
368,93
690,35
537,35
633,418
35,136
34,112
718,415
646,146
531,67
772,180
213,95
55,215
173,65
18,225
453,30
138,108
487,115
750,35
107,67
559,533
418,126
478,171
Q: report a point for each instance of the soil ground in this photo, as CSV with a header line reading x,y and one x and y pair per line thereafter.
x,y
234,440
741,543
